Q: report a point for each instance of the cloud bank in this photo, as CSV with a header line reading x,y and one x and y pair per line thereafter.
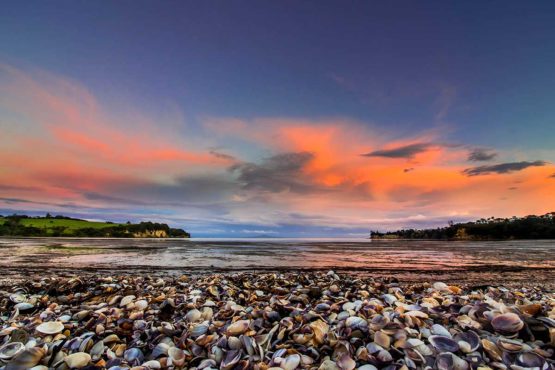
x,y
62,150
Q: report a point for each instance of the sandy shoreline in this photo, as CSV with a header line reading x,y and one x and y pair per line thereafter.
x,y
101,319
479,276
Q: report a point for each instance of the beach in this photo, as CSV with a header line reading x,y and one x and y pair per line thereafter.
x,y
239,320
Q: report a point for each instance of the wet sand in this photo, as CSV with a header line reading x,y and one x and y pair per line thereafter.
x,y
525,263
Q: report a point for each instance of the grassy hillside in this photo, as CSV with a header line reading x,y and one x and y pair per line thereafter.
x,y
45,223
21,225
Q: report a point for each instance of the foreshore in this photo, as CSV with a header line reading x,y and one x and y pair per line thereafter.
x,y
282,320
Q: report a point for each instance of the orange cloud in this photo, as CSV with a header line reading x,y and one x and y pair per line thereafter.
x,y
59,143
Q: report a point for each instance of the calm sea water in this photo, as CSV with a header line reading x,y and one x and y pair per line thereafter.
x,y
406,259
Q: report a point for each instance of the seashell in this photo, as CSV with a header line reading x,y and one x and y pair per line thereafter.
x,y
531,309
471,338
10,350
193,315
440,286
231,358
382,339
199,330
18,298
443,344
418,314
384,356
234,343
81,315
328,365
111,339
444,361
26,359
23,306
320,330
126,300
492,350
440,330
530,360
510,345
346,362
141,305
238,327
134,356
291,362
207,364
97,351
160,350
507,323
49,328
389,298
176,356
77,360
355,322
367,367
152,364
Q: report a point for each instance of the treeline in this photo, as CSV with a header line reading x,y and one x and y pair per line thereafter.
x,y
529,227
142,230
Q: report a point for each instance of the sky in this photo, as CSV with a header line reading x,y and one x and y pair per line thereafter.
x,y
306,119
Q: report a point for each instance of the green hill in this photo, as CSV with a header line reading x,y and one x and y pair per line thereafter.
x,y
21,225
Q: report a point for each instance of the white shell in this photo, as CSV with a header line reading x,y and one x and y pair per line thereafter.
x,y
77,360
9,350
51,327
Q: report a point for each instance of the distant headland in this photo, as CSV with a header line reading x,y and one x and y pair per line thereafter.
x,y
529,227
62,226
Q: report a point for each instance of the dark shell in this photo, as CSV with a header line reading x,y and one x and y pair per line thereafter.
x,y
443,344
507,323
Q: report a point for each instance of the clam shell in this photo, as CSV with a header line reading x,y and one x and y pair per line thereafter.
x,y
126,300
238,327
443,344
10,350
193,315
49,328
176,356
292,362
26,359
507,323
77,360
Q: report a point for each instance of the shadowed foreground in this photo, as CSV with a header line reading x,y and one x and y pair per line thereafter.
x,y
279,320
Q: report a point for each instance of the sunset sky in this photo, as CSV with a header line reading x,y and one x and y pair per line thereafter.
x,y
279,118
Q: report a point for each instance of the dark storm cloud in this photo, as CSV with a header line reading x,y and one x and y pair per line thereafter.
x,y
481,155
405,151
278,173
502,168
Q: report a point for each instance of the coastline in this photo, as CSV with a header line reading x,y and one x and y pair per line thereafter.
x,y
287,320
